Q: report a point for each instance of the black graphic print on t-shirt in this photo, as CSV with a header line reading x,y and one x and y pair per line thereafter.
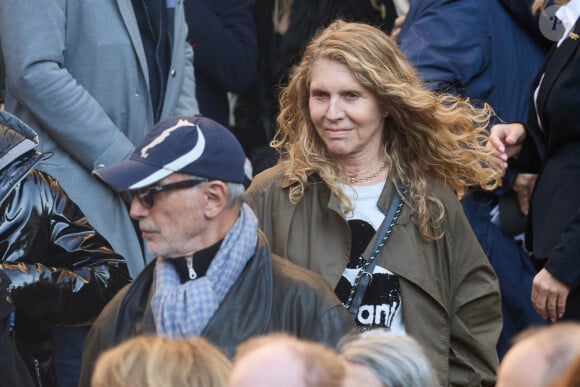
x,y
382,301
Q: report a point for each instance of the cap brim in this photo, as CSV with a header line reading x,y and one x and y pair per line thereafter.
x,y
131,174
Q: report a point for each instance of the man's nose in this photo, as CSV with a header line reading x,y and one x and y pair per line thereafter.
x,y
137,210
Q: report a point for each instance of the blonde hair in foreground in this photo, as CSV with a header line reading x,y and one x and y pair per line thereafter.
x,y
425,134
153,361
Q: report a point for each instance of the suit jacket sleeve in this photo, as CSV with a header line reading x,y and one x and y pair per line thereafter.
x,y
443,39
564,263
33,37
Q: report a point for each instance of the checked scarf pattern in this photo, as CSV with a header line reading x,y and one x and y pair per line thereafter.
x,y
184,310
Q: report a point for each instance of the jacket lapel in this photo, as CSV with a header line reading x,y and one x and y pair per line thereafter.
x,y
128,15
557,62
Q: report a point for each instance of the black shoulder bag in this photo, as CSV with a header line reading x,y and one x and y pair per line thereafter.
x,y
365,275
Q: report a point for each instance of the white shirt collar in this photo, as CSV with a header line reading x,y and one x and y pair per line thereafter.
x,y
569,13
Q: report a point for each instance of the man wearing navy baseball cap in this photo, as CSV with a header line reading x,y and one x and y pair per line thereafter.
x,y
213,274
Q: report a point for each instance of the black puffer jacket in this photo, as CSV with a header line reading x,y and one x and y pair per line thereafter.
x,y
56,268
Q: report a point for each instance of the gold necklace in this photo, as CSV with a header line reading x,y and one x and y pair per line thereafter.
x,y
353,180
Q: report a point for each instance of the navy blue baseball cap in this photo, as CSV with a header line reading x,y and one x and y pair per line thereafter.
x,y
196,145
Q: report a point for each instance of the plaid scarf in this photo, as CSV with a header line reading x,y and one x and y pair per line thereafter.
x,y
184,310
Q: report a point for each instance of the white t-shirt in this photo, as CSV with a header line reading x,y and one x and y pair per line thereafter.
x,y
381,306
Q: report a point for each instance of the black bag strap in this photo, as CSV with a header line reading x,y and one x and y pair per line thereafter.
x,y
365,275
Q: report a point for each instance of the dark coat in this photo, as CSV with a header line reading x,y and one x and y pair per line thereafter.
x,y
59,270
223,36
473,48
271,295
486,51
13,371
554,152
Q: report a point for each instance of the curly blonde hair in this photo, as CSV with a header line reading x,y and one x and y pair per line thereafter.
x,y
154,361
425,134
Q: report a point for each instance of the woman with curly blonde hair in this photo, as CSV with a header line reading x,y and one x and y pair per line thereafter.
x,y
357,132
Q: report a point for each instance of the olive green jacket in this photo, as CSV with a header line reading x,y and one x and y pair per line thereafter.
x,y
451,300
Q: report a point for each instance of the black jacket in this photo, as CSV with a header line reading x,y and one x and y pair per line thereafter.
x,y
56,268
223,35
271,295
553,151
13,370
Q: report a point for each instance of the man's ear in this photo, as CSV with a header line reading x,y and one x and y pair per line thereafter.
x,y
216,194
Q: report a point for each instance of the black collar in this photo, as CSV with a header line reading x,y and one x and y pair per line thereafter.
x,y
201,261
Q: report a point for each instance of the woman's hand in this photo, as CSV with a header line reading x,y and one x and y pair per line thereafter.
x,y
507,139
549,295
397,27
523,186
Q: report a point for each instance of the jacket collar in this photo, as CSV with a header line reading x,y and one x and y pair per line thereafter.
x,y
16,171
16,138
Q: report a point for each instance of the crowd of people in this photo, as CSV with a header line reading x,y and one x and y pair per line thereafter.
x,y
290,193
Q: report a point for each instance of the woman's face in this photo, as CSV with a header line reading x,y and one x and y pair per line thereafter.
x,y
346,115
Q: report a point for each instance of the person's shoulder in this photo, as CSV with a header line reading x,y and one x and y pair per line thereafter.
x,y
106,322
273,176
291,276
42,177
39,182
448,197
267,186
441,190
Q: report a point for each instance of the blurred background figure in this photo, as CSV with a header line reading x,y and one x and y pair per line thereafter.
x,y
540,356
378,358
56,270
488,51
285,361
153,361
223,36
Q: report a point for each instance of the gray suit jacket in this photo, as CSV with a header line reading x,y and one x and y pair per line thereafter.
x,y
77,73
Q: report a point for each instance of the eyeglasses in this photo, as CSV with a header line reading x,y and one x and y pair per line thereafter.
x,y
146,195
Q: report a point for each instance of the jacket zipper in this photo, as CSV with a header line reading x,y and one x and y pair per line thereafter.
x,y
36,365
190,269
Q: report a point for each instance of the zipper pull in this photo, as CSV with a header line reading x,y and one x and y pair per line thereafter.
x,y
190,269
